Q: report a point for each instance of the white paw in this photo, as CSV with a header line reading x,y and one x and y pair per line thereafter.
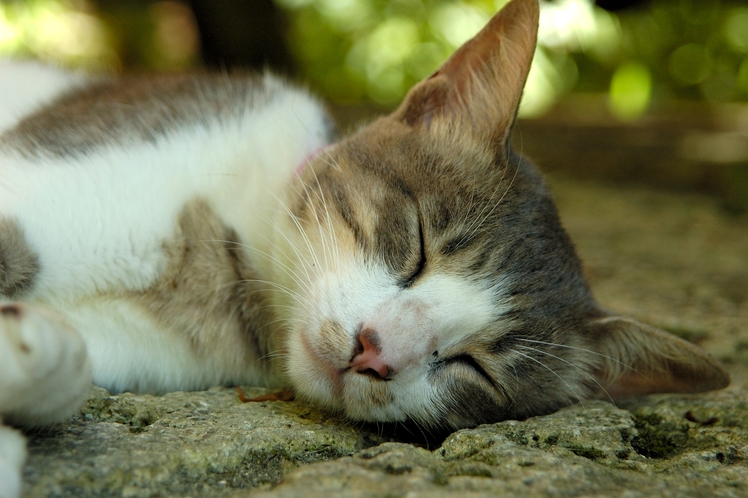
x,y
12,457
44,369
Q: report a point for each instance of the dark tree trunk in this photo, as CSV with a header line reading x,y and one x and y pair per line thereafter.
x,y
243,33
233,33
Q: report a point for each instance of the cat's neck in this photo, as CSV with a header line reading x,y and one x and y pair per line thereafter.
x,y
302,165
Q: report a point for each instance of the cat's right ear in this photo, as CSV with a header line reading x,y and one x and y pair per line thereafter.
x,y
637,359
478,89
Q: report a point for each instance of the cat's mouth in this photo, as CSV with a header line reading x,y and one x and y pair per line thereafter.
x,y
362,373
364,359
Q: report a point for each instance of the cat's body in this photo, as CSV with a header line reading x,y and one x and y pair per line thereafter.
x,y
203,230
139,196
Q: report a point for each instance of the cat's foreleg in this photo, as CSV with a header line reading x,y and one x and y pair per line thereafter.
x,y
12,457
45,373
44,377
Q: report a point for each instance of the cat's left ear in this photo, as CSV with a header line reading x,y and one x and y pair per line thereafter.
x,y
478,89
637,359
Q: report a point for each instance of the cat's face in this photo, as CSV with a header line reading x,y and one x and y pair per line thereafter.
x,y
410,309
431,279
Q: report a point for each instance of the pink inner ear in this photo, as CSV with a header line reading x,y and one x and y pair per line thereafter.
x,y
425,100
641,359
639,384
634,385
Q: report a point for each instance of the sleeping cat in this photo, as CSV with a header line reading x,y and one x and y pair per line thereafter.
x,y
182,231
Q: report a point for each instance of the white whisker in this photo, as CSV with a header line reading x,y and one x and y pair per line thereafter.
x,y
304,236
479,222
590,351
554,373
288,270
298,297
582,370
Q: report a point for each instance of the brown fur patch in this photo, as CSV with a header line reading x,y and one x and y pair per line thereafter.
x,y
19,266
133,109
211,294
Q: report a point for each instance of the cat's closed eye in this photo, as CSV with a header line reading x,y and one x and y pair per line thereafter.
x,y
466,360
420,262
459,243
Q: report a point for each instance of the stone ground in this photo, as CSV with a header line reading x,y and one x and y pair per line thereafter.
x,y
676,261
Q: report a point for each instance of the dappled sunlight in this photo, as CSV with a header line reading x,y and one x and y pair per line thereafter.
x,y
736,28
356,51
74,33
403,41
456,22
566,27
669,50
54,30
630,91
175,36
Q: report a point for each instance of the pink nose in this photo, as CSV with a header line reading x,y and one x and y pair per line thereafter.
x,y
366,359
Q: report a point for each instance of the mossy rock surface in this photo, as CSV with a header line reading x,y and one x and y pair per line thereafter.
x,y
210,444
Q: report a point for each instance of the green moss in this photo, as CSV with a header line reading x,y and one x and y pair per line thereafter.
x,y
586,452
622,454
626,435
657,438
519,438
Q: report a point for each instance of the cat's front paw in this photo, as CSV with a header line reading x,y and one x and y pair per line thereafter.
x,y
44,368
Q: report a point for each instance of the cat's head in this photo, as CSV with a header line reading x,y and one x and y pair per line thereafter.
x,y
433,280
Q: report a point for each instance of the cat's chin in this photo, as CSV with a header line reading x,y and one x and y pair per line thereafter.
x,y
368,399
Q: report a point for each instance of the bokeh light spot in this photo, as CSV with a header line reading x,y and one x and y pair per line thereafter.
x,y
630,91
689,64
736,28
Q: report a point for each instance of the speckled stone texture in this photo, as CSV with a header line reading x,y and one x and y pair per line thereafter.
x,y
675,261
595,450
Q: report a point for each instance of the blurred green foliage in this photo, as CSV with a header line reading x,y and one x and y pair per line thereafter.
x,y
374,50
667,49
695,49
159,35
356,49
